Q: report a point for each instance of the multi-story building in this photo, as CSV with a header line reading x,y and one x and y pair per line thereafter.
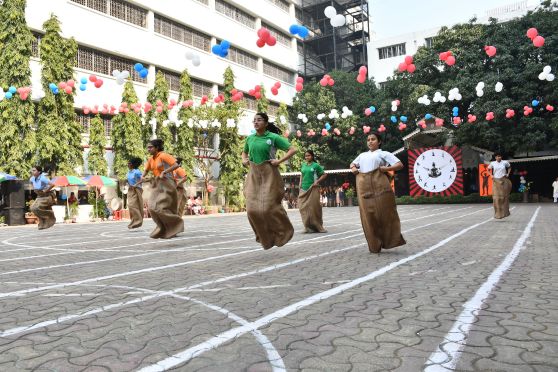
x,y
116,34
385,54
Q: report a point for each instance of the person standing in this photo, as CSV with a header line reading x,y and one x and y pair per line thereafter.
x,y
264,187
135,193
501,186
180,178
309,203
163,203
555,189
376,200
42,206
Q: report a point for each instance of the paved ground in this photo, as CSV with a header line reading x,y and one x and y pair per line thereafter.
x,y
466,293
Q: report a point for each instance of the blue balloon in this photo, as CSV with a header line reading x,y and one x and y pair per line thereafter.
x,y
225,44
55,91
294,29
52,86
8,95
535,103
403,119
303,31
216,49
327,126
83,80
224,53
138,67
143,73
393,119
82,87
12,90
428,116
372,108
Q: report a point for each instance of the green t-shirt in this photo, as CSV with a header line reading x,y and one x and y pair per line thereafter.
x,y
262,148
310,173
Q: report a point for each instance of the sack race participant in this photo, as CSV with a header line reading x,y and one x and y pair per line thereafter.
x,y
135,193
376,200
163,201
264,187
42,206
180,178
501,186
309,203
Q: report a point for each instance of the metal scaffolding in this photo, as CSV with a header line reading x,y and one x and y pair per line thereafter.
x,y
330,48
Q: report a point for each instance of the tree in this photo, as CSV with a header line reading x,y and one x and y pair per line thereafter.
x,y
96,162
230,146
58,132
263,102
17,137
282,122
159,97
185,133
126,135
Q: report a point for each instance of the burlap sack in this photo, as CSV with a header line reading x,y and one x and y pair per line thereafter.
x,y
264,191
162,207
135,206
311,209
501,188
182,199
378,212
42,208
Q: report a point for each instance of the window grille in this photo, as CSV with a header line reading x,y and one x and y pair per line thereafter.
x,y
243,58
118,9
201,88
251,102
281,4
233,12
104,63
173,79
36,45
182,33
277,72
282,37
391,51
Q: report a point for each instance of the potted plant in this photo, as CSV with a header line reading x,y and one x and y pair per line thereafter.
x,y
30,217
350,194
524,188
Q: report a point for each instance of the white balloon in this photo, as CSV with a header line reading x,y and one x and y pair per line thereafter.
x,y
115,73
550,77
344,115
119,81
458,97
542,76
442,99
196,61
189,54
480,85
499,86
330,12
339,20
125,74
547,69
480,93
393,108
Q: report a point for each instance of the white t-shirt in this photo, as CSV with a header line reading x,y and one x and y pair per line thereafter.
x,y
555,186
499,168
372,160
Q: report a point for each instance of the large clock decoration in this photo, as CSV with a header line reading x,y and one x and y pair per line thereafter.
x,y
436,171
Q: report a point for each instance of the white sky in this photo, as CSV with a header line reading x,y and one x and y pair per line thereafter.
x,y
395,17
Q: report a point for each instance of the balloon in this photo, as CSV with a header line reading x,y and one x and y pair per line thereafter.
x,y
271,41
428,116
547,69
363,70
450,61
331,82
216,49
338,20
549,108
9,95
226,44
480,93
327,126
257,95
457,120
293,29
411,68
367,112
532,33
402,67
98,83
439,122
298,133
138,67
393,119
92,78
323,82
490,50
260,43
300,79
143,73
373,109
489,116
13,89
71,83
443,56
274,91
330,12
352,131
366,129
83,80
538,41
196,61
68,90
498,87
534,103
381,129
550,77
298,87
224,53
303,32
403,119
361,79
324,132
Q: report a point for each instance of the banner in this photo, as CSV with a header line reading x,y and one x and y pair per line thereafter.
x,y
485,180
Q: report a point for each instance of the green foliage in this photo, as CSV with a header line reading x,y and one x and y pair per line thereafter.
x,y
58,132
126,135
17,138
263,102
230,146
160,93
282,121
185,134
99,204
96,162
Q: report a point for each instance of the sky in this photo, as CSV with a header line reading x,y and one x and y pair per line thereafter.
x,y
395,17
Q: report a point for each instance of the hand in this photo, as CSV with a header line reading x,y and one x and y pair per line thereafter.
x,y
162,175
275,162
246,162
354,170
316,184
384,169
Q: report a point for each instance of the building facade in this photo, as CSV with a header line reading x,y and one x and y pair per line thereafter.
x,y
116,34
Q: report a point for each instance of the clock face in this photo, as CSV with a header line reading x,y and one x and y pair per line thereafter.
x,y
435,170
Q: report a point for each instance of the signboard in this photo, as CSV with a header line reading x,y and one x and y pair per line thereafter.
x,y
436,171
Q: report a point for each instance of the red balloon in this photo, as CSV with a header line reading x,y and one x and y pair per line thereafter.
x,y
264,33
258,95
251,92
450,61
549,108
62,85
257,88
98,83
443,56
361,79
274,91
408,60
323,82
92,78
532,33
298,87
271,40
71,83
411,68
260,43
68,89
490,50
159,109
538,41
299,79
367,111
402,67
331,82
234,91
277,84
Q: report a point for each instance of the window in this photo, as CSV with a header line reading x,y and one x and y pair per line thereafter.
x,y
391,51
282,37
107,123
201,88
85,122
173,79
277,72
104,63
251,103
36,45
282,4
243,58
233,12
182,33
272,109
118,9
428,42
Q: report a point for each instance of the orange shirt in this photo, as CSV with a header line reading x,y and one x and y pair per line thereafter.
x,y
158,163
179,173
